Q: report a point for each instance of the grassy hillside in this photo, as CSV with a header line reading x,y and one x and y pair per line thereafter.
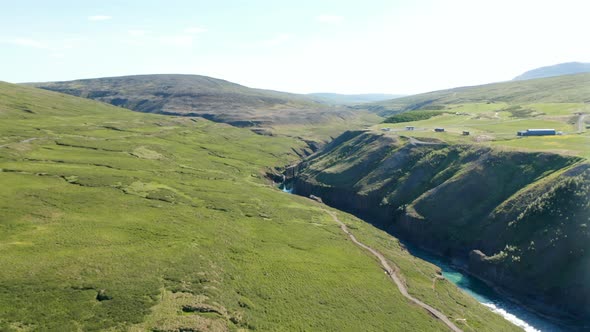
x,y
560,89
497,124
567,68
517,218
493,114
194,95
266,112
115,220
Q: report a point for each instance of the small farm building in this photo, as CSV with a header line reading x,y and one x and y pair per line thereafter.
x,y
537,132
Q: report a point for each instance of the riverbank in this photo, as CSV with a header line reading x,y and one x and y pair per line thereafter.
x,y
493,297
484,291
518,218
393,275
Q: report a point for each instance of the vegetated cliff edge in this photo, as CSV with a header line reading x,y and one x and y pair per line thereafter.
x,y
518,220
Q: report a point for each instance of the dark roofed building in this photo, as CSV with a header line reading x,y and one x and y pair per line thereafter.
x,y
537,132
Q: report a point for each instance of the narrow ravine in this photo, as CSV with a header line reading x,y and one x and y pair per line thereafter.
x,y
486,295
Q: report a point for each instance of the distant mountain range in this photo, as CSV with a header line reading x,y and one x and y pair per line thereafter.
x,y
194,95
215,99
567,68
345,99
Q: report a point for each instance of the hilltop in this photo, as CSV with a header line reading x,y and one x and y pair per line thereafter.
x,y
117,220
567,68
560,89
194,95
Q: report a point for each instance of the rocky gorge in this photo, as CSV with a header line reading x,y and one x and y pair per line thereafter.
x,y
516,220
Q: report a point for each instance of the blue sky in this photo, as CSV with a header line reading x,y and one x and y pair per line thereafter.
x,y
297,46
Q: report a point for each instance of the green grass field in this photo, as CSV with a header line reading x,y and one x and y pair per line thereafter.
x,y
496,124
172,222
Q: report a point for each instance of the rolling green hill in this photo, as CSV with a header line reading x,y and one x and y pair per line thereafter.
x,y
121,221
567,68
560,89
491,115
207,97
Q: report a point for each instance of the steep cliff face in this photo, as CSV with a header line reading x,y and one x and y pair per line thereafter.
x,y
518,220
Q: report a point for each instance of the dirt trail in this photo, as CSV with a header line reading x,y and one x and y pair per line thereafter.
x,y
581,124
394,276
415,141
23,141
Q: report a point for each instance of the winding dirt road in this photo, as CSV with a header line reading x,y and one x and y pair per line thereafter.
x,y
394,277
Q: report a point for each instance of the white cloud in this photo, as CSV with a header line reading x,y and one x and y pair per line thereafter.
x,y
330,19
99,18
195,30
54,49
27,42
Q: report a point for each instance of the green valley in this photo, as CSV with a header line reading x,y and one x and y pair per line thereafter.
x,y
276,166
116,220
